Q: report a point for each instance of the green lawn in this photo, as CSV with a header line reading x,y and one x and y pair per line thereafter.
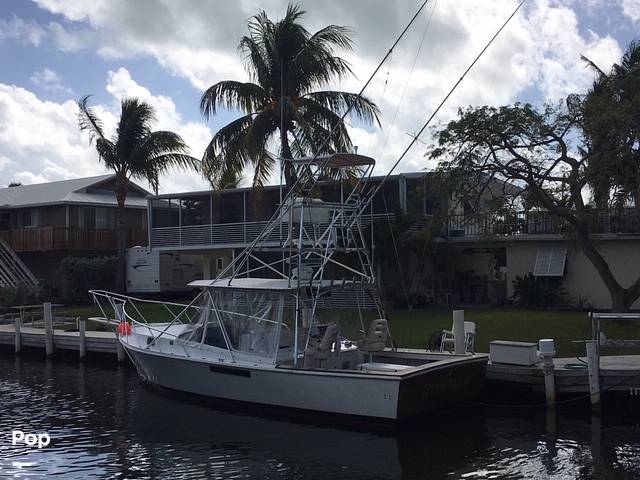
x,y
412,328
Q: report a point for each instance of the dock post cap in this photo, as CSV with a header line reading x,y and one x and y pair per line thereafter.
x,y
547,347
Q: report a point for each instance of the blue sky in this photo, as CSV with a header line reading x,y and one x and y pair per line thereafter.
x,y
54,51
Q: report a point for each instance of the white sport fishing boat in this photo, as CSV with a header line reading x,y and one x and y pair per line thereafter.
x,y
276,327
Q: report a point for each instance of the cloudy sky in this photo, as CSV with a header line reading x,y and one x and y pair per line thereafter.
x,y
166,52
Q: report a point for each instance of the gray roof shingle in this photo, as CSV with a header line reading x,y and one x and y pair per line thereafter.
x,y
65,191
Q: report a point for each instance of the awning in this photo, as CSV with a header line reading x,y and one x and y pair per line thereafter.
x,y
336,160
280,284
550,261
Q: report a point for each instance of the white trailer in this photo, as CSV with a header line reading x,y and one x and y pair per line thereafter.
x,y
154,271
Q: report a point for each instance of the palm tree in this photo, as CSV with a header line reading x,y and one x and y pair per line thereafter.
x,y
612,127
133,151
287,65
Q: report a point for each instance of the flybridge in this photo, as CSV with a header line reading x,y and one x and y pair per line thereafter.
x,y
313,232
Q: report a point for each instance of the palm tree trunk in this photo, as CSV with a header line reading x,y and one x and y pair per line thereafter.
x,y
121,236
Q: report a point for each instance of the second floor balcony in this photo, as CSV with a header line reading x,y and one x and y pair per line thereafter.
x,y
38,239
624,221
239,234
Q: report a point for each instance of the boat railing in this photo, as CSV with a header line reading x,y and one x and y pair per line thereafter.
x,y
119,302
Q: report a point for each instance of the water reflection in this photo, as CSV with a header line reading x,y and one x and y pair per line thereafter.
x,y
104,424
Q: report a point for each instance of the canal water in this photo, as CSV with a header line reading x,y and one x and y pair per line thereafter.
x,y
104,423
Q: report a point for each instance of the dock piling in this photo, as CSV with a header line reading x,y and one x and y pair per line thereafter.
x,y
458,332
547,349
48,328
82,338
17,322
593,364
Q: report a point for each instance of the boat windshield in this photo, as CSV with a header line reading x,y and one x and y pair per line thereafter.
x,y
244,321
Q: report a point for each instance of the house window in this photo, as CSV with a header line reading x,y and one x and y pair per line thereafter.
x,y
99,218
104,218
550,261
89,218
219,264
29,218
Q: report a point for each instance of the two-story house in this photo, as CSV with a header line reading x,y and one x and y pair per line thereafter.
x,y
469,258
45,222
217,225
489,249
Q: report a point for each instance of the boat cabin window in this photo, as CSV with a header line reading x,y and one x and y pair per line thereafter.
x,y
252,321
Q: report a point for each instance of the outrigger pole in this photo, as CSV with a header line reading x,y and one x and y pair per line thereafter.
x,y
416,137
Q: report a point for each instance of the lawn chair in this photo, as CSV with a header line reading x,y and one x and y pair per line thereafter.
x,y
448,340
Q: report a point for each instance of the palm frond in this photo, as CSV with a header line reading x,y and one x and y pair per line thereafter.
x,y
593,66
359,107
630,58
107,152
329,125
247,97
263,166
333,36
88,120
133,126
226,155
256,61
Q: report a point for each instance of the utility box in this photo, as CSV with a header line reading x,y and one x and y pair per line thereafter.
x,y
513,353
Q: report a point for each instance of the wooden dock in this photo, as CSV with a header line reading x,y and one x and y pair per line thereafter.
x,y
617,373
97,342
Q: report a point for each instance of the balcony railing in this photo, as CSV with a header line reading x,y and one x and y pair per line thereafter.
x,y
234,234
69,238
623,221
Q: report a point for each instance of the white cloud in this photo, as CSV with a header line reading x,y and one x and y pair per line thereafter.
x,y
18,29
40,140
631,8
538,51
559,47
49,80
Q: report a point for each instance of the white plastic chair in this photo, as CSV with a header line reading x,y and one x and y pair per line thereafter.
x,y
448,340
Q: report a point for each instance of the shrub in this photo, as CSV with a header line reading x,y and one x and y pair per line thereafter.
x,y
537,292
81,274
18,295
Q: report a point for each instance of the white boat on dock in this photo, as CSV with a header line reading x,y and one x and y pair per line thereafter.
x,y
275,327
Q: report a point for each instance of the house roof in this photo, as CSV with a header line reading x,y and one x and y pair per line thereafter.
x,y
197,193
68,191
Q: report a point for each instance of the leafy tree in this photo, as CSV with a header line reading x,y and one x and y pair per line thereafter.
x,y
287,66
544,152
133,151
611,124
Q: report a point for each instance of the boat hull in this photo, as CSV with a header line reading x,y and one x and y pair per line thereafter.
x,y
389,397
